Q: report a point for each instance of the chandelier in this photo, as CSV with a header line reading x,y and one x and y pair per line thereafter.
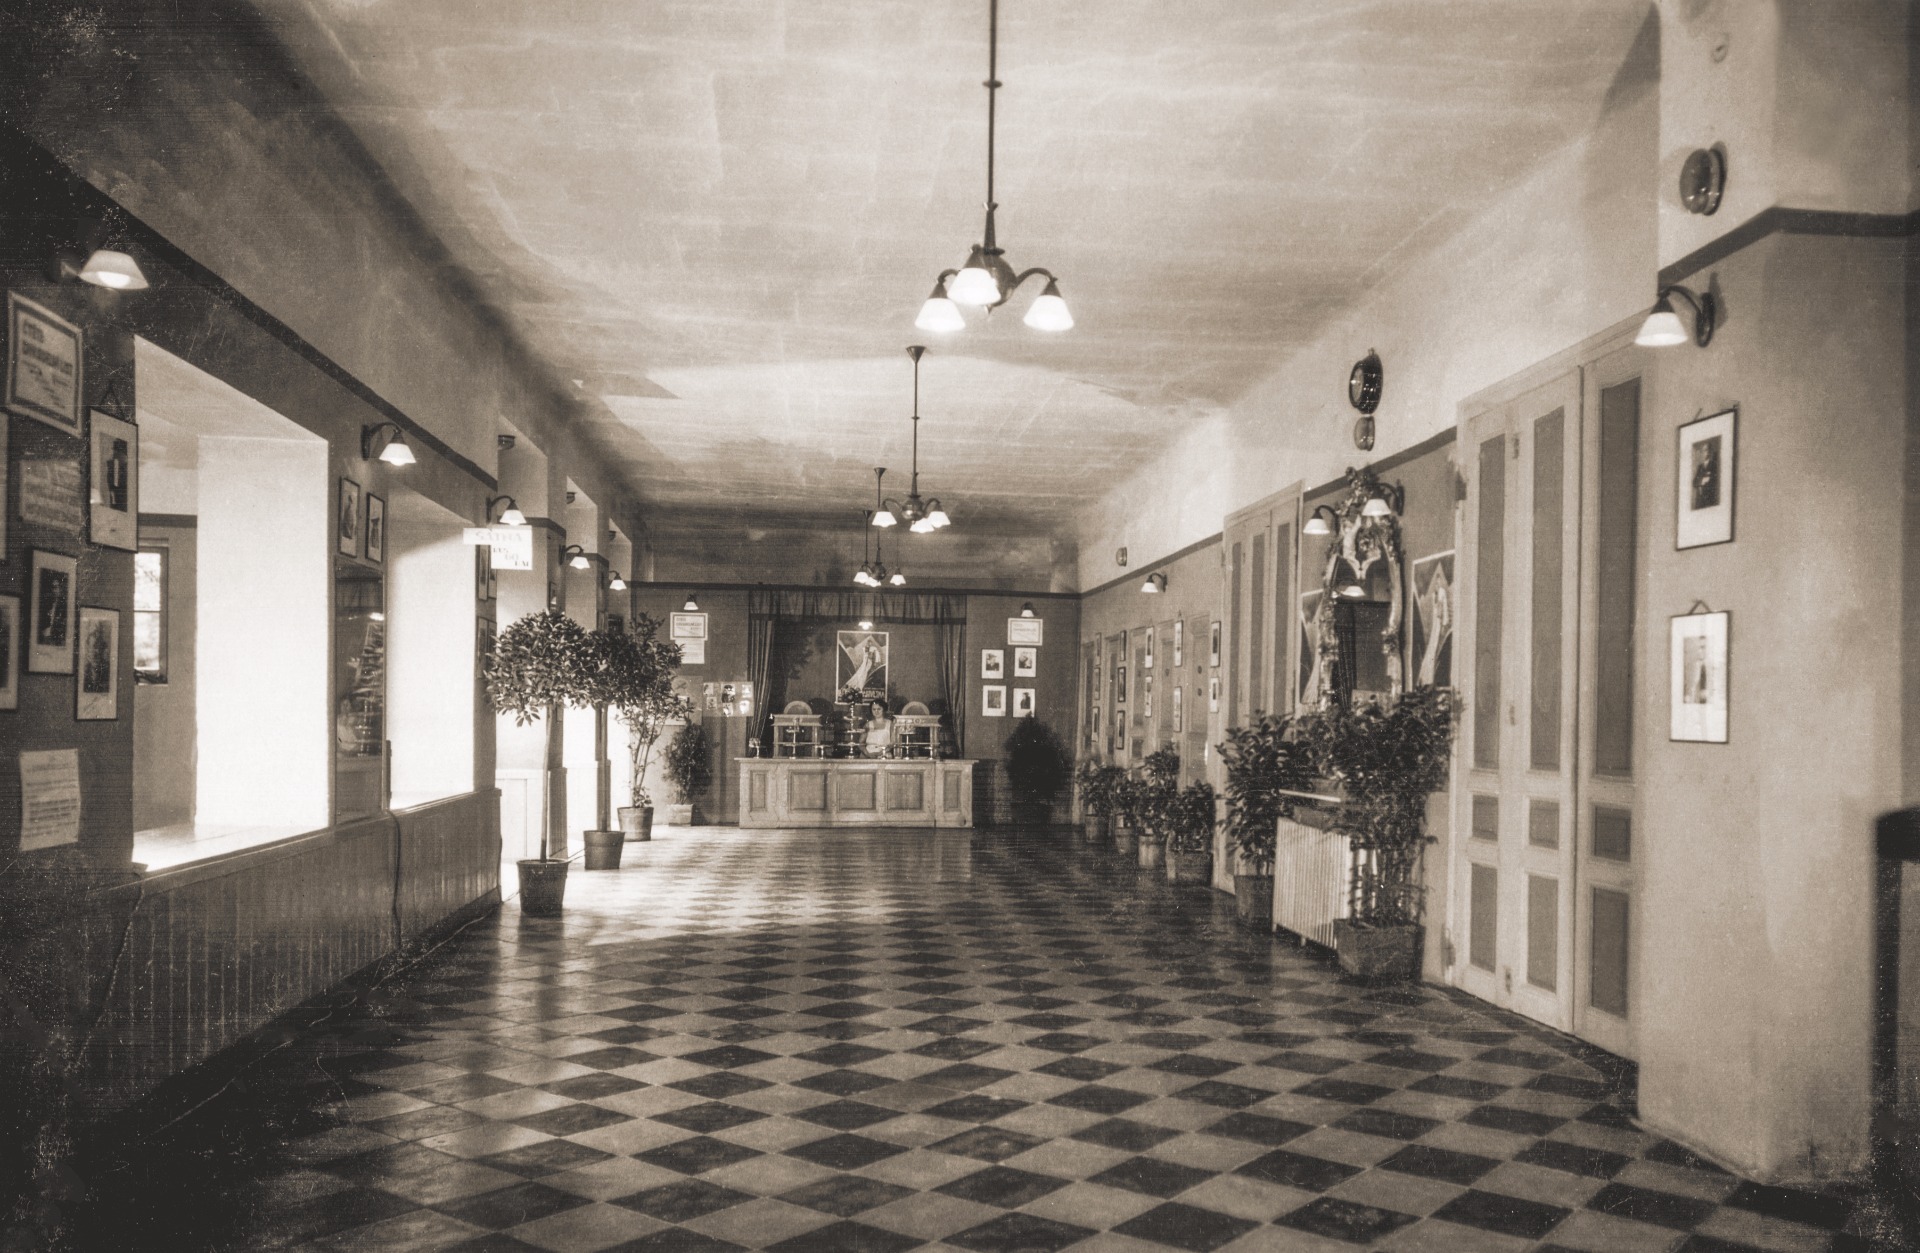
x,y
873,571
921,516
986,280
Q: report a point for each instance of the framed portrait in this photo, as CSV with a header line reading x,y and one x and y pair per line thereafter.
x,y
993,701
1430,643
1179,642
97,688
9,652
482,572
1179,710
993,663
113,482
1120,684
1213,645
347,517
1026,663
44,354
1699,677
1213,693
1023,702
1146,696
50,611
1148,663
1027,631
1704,482
860,665
1309,672
376,528
1120,731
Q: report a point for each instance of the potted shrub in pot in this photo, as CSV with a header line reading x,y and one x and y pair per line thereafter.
x,y
540,665
1097,798
1190,835
640,691
688,771
1154,794
1261,759
1037,770
1387,759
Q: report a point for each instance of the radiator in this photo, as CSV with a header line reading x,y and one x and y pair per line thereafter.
x,y
1310,868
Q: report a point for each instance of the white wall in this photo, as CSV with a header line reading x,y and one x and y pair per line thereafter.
x,y
430,651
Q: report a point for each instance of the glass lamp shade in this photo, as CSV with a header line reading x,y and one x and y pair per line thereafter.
x,y
1375,508
1662,328
396,453
940,314
898,579
579,561
939,518
513,517
1353,591
616,584
1154,585
1049,312
116,270
885,518
866,624
692,605
975,284
1316,525
924,526
1026,610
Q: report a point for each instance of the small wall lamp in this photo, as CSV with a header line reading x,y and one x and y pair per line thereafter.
x,y
1663,328
1325,521
115,271
510,516
1154,584
395,453
575,556
692,605
616,584
1026,610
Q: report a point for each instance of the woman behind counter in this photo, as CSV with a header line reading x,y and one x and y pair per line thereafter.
x,y
879,736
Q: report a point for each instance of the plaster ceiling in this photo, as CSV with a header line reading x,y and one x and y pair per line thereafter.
x,y
716,219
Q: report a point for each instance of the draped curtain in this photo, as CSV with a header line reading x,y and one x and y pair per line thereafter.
x,y
950,640
759,661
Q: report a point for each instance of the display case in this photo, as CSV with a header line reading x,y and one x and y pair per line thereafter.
x,y
796,734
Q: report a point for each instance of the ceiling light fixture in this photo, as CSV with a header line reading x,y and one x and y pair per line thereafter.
x,y
395,453
873,571
921,516
575,556
510,516
115,271
1663,328
986,280
1155,584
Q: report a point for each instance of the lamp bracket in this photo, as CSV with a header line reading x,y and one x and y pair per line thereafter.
x,y
370,433
1706,311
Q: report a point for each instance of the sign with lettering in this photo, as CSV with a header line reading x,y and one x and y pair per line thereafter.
x,y
512,545
43,365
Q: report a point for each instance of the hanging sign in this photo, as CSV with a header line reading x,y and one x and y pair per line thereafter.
x,y
512,545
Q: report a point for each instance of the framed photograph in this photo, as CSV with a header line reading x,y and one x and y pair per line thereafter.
x,y
1120,684
1023,702
1120,731
1430,643
376,528
493,583
1213,645
1179,710
43,365
993,663
1213,693
1027,631
97,691
113,483
1146,696
9,652
50,613
1704,482
482,572
687,626
1026,663
347,513
860,667
1179,642
1148,663
1699,678
993,701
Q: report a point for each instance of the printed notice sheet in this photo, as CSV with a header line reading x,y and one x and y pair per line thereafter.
x,y
49,798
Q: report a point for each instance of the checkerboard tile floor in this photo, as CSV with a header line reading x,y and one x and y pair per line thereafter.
x,y
864,1042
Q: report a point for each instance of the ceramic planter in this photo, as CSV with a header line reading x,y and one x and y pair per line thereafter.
x,y
1151,853
1097,831
543,886
1125,840
680,815
1189,867
1253,898
1385,954
637,823
603,849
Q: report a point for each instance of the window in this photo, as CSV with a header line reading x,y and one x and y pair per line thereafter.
x,y
150,615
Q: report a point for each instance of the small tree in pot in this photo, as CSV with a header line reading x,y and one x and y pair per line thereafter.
x,y
637,684
1097,797
541,664
1037,770
1262,759
1155,792
1190,820
688,770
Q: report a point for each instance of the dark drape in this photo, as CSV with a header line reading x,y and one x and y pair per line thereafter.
x,y
759,659
837,606
951,642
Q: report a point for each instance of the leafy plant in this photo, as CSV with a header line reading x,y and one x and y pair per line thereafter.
x,y
686,762
540,663
1125,790
1154,792
1262,759
631,674
1097,787
1189,818
1388,759
1037,762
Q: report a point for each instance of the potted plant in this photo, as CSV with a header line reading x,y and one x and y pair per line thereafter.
x,y
1154,792
1262,759
1097,798
639,689
1190,834
1387,758
688,771
1037,768
540,665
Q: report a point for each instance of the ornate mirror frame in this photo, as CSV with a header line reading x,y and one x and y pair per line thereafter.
x,y
1360,544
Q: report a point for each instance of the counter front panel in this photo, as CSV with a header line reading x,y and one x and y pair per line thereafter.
x,y
855,792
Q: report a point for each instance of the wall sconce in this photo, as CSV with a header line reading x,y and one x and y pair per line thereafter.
x,y
1384,501
1155,584
1026,610
616,584
510,516
575,556
692,605
115,271
1325,521
395,453
1663,328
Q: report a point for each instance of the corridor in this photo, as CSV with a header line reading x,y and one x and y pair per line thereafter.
x,y
870,1041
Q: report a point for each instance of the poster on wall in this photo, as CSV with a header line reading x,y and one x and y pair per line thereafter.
x,y
993,701
687,626
1309,670
1026,663
1148,663
347,513
693,652
1213,693
1023,702
1146,695
96,693
113,495
1027,631
1699,677
1704,481
50,494
49,798
50,613
1213,645
1120,683
993,663
1179,710
9,652
861,667
1179,642
376,528
43,365
1431,640
483,572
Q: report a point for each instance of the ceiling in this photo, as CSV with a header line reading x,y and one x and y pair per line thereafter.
x,y
716,219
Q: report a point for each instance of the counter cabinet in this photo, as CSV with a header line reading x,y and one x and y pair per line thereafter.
x,y
855,792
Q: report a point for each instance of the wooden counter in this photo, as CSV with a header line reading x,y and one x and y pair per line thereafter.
x,y
855,792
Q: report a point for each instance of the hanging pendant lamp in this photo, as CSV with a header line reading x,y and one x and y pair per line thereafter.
x,y
986,280
873,570
921,516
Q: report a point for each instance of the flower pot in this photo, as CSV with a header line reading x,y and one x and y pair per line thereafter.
x,y
1150,853
1125,840
1253,897
1097,831
1189,867
1384,954
637,822
603,849
543,886
680,815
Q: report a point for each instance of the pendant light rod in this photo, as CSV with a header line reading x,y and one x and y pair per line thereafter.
x,y
993,87
921,516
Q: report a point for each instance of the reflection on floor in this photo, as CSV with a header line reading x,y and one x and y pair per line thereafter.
x,y
840,1042
160,847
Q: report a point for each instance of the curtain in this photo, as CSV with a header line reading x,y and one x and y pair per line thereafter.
x,y
759,658
950,640
837,606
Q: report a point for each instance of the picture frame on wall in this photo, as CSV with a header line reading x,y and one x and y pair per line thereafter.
x,y
1027,631
45,356
993,701
1179,642
1026,663
993,663
6,506
376,528
1213,644
113,482
50,612
1023,702
1146,696
1704,475
1120,684
96,689
1147,664
1698,662
482,572
1213,693
1179,710
347,515
1430,642
9,652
